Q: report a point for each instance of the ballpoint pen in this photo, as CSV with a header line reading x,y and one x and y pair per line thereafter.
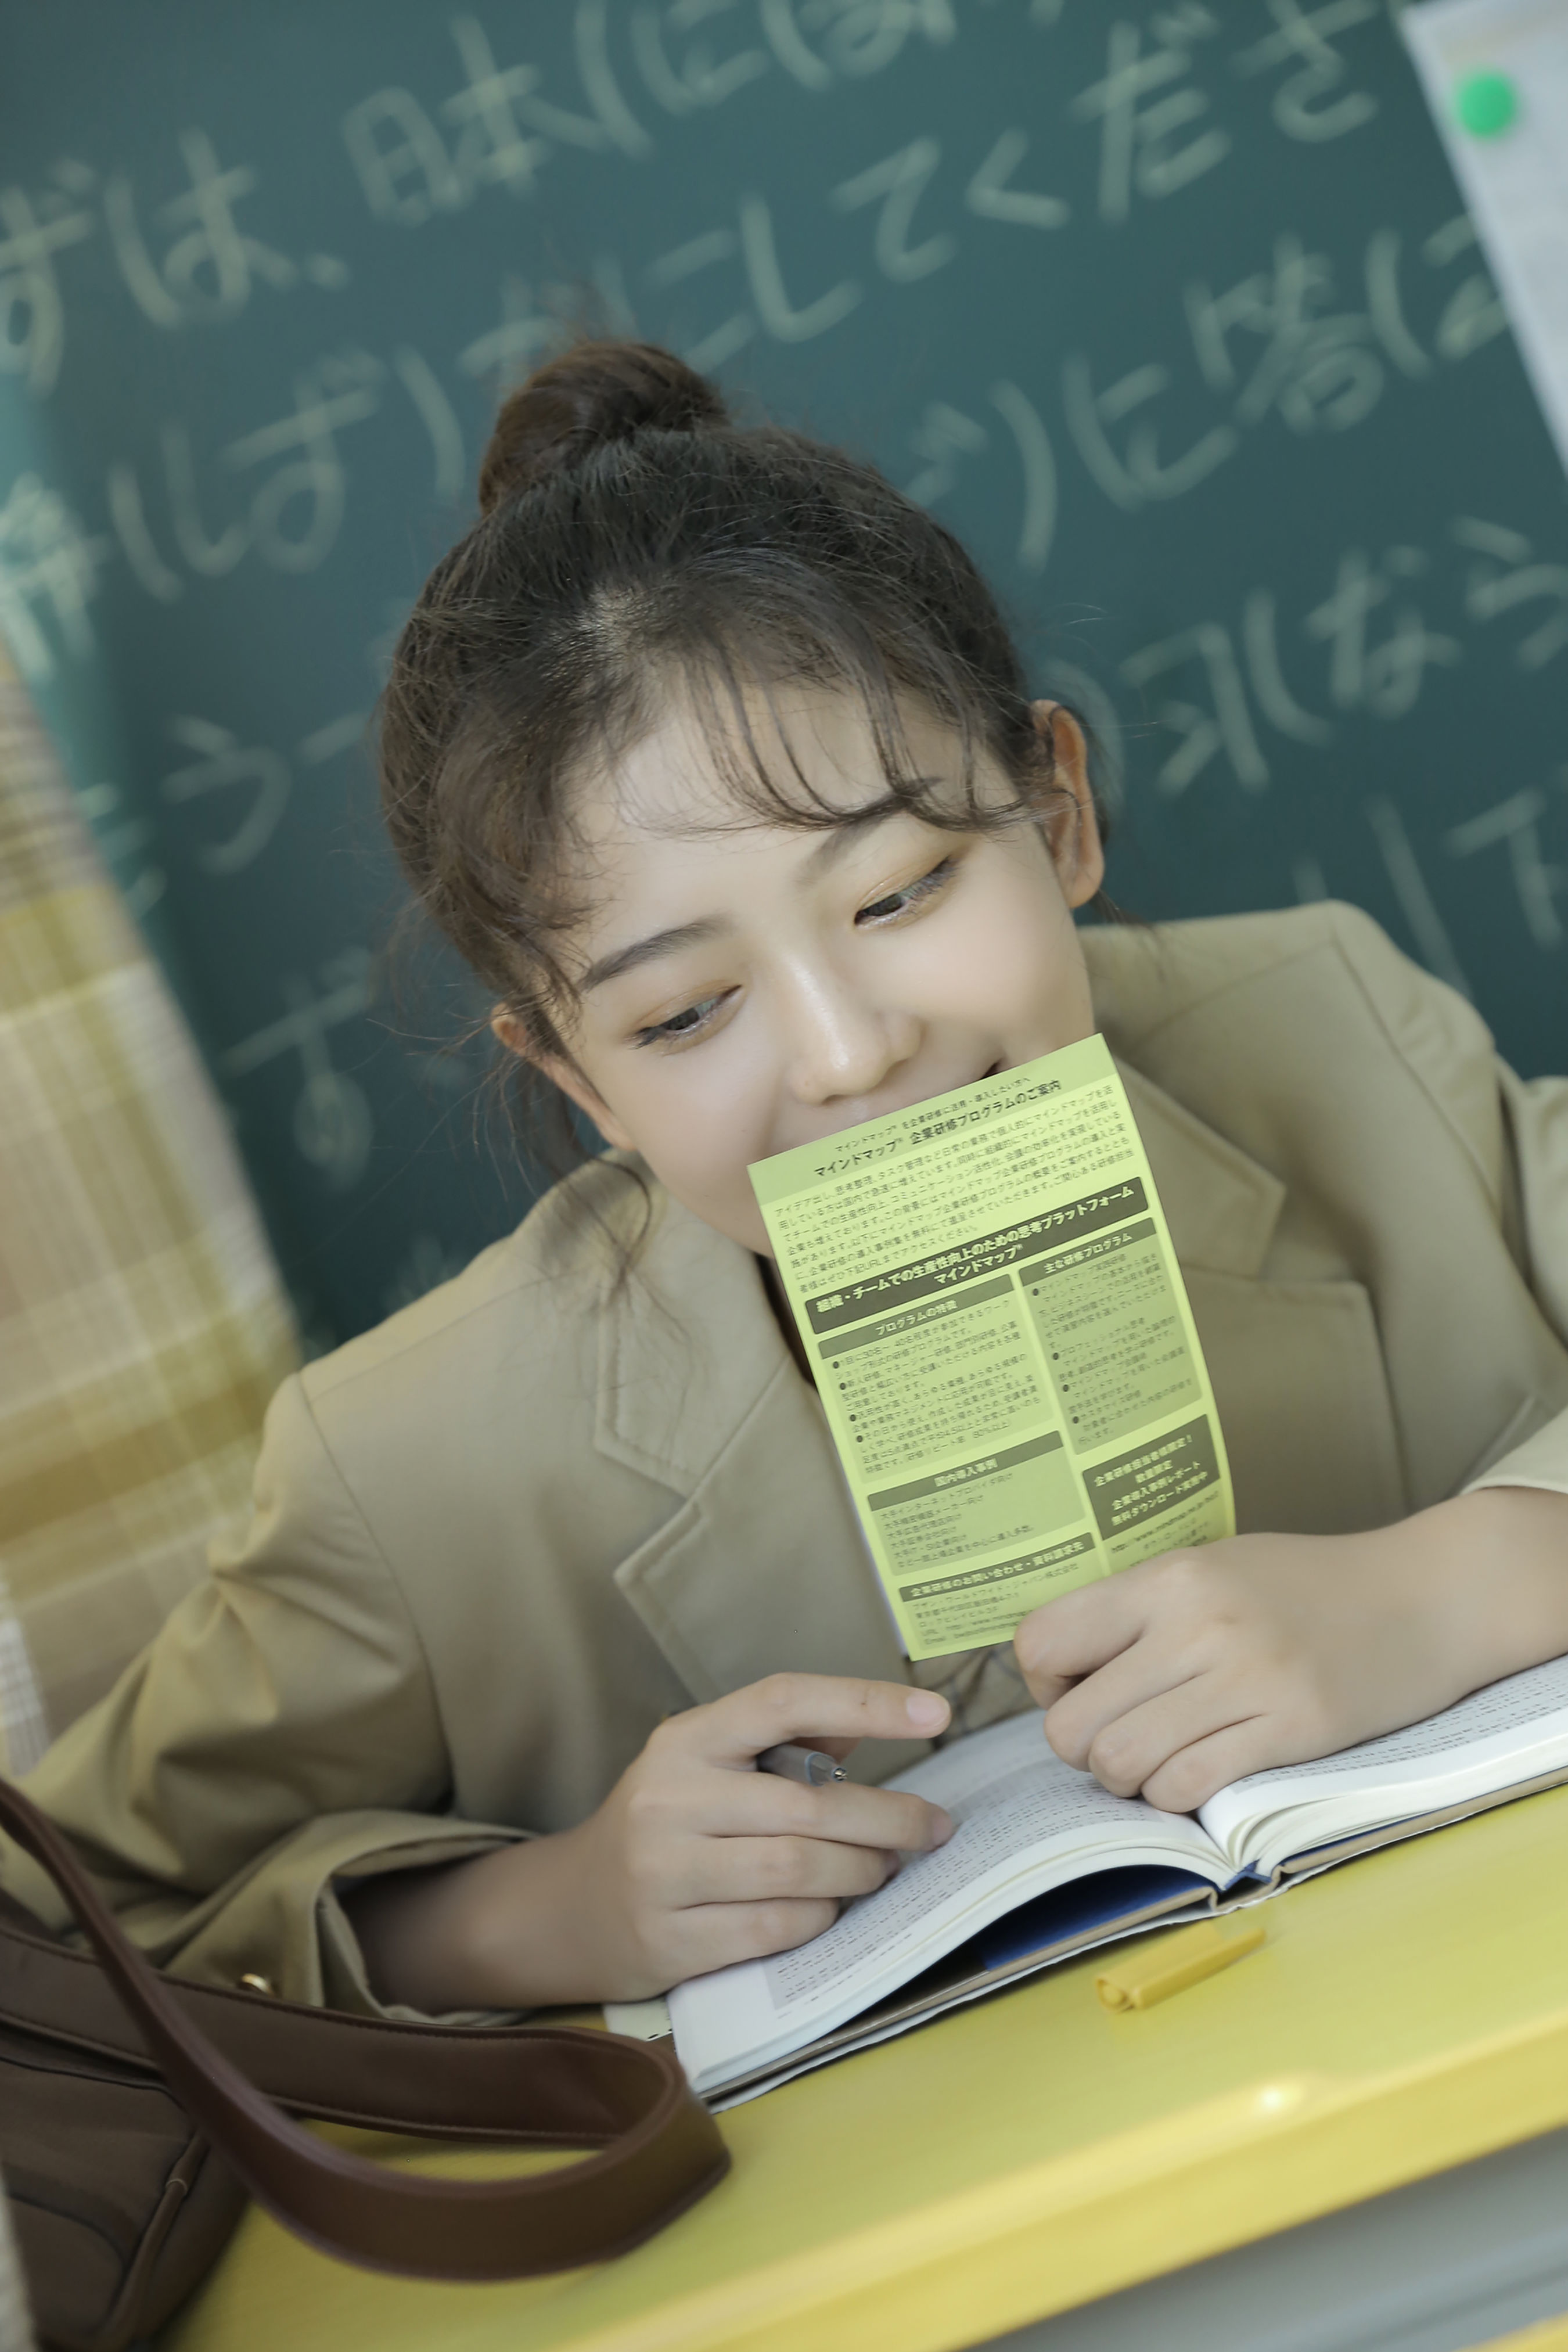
x,y
808,1765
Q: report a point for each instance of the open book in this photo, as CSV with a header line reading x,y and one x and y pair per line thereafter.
x,y
1044,1862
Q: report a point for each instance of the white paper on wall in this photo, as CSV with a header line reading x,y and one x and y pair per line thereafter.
x,y
1508,58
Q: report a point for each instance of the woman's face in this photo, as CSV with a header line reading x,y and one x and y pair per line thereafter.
x,y
746,987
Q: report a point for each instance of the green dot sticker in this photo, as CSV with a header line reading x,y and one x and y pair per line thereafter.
x,y
1486,104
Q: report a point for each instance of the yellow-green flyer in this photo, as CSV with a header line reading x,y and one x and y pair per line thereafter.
x,y
986,1289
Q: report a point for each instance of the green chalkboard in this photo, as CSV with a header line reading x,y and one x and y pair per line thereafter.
x,y
1172,312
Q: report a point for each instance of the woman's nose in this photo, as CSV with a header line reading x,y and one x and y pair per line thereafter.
x,y
841,1047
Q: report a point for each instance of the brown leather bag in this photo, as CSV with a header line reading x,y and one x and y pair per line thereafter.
x,y
132,2128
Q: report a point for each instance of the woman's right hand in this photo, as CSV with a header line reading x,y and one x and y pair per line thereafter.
x,y
694,1860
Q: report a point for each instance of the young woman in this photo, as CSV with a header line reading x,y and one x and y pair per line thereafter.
x,y
712,756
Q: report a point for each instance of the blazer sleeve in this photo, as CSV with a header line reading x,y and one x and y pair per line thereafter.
x,y
1537,1114
279,1733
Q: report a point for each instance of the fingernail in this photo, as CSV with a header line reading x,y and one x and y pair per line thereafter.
x,y
926,1711
941,1826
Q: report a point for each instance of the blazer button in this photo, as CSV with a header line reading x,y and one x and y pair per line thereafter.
x,y
252,1982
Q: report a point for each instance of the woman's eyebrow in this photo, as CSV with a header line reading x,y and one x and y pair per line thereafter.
x,y
832,846
844,835
657,944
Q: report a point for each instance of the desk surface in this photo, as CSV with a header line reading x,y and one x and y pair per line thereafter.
x,y
1408,2012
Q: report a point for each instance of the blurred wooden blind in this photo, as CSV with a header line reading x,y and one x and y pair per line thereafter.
x,y
143,1327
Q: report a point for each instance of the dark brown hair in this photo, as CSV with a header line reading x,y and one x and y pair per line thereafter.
x,y
635,545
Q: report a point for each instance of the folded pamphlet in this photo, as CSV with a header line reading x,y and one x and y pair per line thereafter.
x,y
985,1287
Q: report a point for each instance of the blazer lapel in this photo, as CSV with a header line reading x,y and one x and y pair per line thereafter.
x,y
1284,1358
1221,1206
762,1565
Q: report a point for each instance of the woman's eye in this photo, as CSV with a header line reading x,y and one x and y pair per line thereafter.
x,y
899,902
690,1023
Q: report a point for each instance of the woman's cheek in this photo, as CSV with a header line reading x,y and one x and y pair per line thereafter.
x,y
699,1132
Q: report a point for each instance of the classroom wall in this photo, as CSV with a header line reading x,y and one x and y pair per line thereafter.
x,y
1172,312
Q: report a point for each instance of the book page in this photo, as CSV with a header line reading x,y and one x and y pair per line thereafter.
x,y
1024,1821
1000,1334
1509,1731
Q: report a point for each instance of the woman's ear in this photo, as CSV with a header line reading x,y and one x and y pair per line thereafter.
x,y
1069,820
512,1033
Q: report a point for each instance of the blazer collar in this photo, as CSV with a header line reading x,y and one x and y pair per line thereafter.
x,y
1222,1207
763,1565
687,1347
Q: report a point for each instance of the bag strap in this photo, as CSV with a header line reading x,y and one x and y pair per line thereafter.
x,y
440,2081
659,2147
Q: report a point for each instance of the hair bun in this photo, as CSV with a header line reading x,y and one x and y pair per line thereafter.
x,y
594,394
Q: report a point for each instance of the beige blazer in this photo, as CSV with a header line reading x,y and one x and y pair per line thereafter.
x,y
498,1537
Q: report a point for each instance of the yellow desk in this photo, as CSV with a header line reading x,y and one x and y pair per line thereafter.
x,y
1408,2013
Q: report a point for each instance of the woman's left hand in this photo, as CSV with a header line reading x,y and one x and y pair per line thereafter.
x,y
1181,1675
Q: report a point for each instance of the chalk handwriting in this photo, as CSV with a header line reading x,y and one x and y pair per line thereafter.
x,y
781,308
50,569
524,335
253,783
1146,106
212,516
896,185
1540,883
681,67
502,127
1275,343
249,775
197,261
1129,467
1220,724
210,264
945,437
1506,578
127,841
1311,103
342,390
439,418
499,130
33,232
1309,361
1038,515
293,517
332,1122
993,196
1381,671
1516,825
853,38
1377,645
1412,895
